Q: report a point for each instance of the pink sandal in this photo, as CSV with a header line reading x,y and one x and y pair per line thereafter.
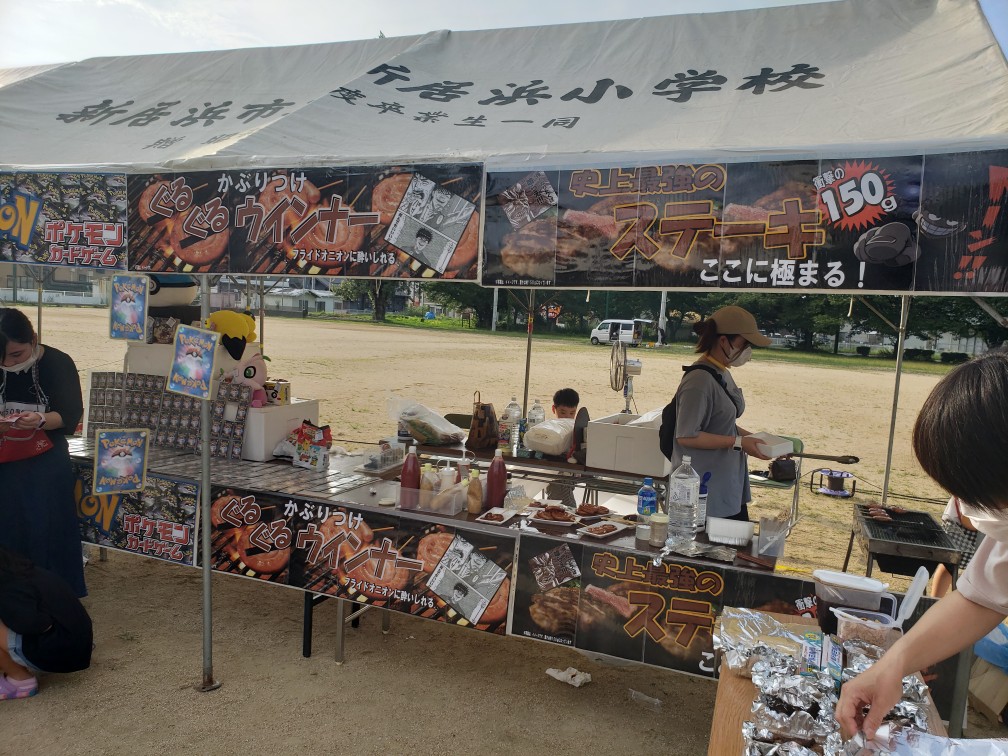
x,y
10,689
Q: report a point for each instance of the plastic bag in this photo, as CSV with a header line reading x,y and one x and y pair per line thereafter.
x,y
428,427
553,437
652,419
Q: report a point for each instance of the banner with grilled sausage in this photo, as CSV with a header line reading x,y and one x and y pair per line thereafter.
x,y
416,221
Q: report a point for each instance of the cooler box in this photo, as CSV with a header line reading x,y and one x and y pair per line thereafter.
x,y
612,445
265,427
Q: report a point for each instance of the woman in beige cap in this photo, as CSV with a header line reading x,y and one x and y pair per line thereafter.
x,y
707,406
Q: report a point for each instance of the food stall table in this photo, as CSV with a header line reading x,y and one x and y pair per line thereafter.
x,y
735,695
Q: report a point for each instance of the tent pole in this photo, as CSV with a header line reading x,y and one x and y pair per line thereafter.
x,y
661,317
209,683
493,318
528,350
904,314
38,316
262,315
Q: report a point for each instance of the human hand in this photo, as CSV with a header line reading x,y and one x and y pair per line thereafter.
x,y
879,689
27,420
752,447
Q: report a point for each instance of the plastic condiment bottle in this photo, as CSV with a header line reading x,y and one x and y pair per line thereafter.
x,y
496,481
447,475
409,480
428,485
474,500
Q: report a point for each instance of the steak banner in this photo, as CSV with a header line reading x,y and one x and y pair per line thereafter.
x,y
927,224
418,221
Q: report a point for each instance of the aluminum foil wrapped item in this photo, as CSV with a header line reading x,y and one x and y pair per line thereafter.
x,y
908,715
911,743
858,648
797,708
745,636
799,691
719,553
771,664
759,742
915,689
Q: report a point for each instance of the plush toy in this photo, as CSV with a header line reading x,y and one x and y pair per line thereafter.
x,y
251,371
172,290
236,328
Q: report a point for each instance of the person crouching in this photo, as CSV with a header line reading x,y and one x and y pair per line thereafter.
x,y
43,626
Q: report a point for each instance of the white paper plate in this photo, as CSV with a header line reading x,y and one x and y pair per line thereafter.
x,y
507,514
552,523
620,527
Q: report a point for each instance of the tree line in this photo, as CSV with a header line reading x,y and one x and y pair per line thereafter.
x,y
806,317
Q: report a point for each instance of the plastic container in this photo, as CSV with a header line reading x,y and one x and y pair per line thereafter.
x,y
843,590
683,500
647,499
860,624
730,532
659,529
449,501
496,481
773,446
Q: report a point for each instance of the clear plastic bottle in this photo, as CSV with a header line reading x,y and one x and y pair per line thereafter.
x,y
647,505
496,481
536,415
701,514
507,426
683,500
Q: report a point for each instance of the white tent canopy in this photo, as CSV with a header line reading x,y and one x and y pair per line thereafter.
x,y
862,76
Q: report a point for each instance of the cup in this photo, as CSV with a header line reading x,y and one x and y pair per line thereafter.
x,y
772,534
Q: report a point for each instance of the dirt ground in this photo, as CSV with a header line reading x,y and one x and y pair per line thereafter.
x,y
425,687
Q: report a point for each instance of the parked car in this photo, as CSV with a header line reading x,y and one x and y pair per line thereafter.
x,y
628,331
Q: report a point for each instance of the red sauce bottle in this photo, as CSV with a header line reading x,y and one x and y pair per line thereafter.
x,y
496,481
409,481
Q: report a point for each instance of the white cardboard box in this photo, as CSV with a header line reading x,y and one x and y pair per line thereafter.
x,y
613,445
267,426
773,446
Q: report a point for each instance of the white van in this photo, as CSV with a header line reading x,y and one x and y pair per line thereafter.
x,y
628,331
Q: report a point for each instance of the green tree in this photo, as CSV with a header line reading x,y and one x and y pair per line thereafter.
x,y
462,295
377,291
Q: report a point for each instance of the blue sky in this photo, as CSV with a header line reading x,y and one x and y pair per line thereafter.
x,y
50,31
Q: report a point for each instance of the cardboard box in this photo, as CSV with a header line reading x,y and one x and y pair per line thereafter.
x,y
278,391
267,426
613,445
988,689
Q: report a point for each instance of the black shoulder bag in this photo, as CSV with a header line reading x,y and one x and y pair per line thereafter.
x,y
666,434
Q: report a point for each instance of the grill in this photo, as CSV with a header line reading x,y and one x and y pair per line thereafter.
x,y
912,539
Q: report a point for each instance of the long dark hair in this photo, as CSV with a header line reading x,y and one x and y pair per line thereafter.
x,y
13,565
14,326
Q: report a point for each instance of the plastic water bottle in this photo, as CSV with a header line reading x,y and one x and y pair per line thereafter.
x,y
701,521
683,501
508,426
536,415
647,505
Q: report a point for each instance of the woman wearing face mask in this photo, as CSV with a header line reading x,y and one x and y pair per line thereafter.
x,y
961,440
39,390
706,411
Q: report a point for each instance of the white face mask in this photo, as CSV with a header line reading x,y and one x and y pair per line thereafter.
x,y
990,524
742,356
22,366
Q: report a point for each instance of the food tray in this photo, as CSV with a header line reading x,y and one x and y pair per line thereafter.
x,y
620,527
553,523
507,514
